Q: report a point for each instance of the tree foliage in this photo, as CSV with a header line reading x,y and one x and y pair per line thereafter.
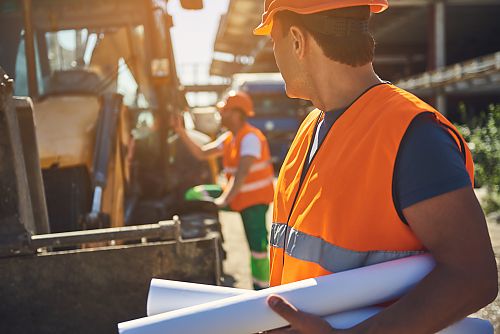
x,y
483,135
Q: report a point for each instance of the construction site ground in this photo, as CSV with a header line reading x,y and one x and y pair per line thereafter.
x,y
237,267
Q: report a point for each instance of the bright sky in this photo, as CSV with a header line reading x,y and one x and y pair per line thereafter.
x,y
194,33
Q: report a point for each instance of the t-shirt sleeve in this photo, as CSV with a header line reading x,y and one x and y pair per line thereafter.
x,y
429,163
250,146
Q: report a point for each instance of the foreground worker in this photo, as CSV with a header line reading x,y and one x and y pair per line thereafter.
x,y
374,174
248,167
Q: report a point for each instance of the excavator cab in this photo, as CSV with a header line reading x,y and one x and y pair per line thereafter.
x,y
103,82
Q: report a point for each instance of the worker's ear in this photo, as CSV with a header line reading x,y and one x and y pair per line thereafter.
x,y
298,38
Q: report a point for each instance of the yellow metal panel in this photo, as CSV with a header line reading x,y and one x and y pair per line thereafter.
x,y
65,128
112,201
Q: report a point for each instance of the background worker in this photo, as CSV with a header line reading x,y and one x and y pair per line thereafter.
x,y
247,165
374,174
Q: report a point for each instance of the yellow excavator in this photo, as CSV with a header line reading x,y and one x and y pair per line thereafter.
x,y
93,178
92,70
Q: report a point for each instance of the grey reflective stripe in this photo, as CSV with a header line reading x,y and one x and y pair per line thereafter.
x,y
258,166
278,232
332,258
256,185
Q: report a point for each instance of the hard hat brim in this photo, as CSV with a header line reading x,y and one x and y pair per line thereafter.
x,y
265,27
222,107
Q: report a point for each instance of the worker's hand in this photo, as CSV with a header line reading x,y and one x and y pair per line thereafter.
x,y
177,123
221,202
300,322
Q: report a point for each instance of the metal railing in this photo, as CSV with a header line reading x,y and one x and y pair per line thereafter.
x,y
468,70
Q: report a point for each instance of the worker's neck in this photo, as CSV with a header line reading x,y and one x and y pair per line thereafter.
x,y
236,127
340,85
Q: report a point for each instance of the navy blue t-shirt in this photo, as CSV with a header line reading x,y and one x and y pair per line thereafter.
x,y
429,162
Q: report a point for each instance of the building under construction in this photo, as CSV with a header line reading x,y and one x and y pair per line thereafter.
x,y
447,52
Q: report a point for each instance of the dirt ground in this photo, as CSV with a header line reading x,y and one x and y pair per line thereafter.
x,y
492,311
237,267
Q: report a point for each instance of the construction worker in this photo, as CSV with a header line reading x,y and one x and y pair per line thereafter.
x,y
247,165
374,174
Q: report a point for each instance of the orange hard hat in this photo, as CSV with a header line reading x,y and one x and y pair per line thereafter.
x,y
239,100
271,7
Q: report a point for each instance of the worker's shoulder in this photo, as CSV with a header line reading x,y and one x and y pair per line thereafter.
x,y
250,137
401,100
252,130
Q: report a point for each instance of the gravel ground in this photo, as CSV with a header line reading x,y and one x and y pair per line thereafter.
x,y
237,263
492,311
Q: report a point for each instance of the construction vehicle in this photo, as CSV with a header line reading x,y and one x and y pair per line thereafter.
x,y
91,176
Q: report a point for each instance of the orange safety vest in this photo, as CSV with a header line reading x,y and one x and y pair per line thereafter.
x,y
343,216
258,186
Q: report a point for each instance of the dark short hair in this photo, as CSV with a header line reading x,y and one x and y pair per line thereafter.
x,y
354,49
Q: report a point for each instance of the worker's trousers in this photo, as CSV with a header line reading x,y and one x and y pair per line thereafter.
x,y
254,223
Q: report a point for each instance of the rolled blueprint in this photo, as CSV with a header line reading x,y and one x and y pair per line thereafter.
x,y
167,295
322,296
470,326
350,319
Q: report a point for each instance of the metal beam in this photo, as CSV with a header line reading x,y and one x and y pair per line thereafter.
x,y
16,212
164,230
395,25
58,15
206,88
25,117
439,40
440,34
460,76
29,45
223,68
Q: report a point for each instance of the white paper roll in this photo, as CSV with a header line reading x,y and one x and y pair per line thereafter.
x,y
165,295
350,319
324,295
470,326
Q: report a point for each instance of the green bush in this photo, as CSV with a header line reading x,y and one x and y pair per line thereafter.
x,y
483,135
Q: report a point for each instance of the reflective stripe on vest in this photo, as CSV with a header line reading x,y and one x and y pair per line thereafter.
x,y
259,255
254,168
332,258
247,187
341,214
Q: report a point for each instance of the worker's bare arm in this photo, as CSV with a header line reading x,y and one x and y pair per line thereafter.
x,y
452,227
212,150
236,182
208,151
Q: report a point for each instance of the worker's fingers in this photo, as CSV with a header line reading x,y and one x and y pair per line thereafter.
x,y
286,330
285,309
300,322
